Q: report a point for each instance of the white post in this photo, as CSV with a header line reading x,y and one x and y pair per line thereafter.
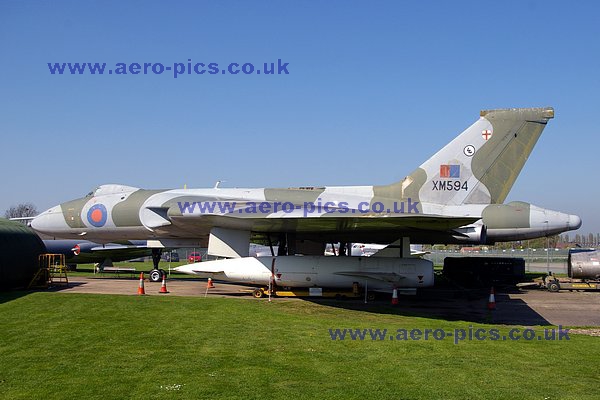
x,y
270,287
548,254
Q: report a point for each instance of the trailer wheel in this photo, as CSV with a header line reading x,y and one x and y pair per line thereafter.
x,y
258,293
553,287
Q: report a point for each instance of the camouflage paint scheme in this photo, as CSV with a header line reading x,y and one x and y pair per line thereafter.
x,y
455,196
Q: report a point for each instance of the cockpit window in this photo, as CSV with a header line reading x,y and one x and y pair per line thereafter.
x,y
111,189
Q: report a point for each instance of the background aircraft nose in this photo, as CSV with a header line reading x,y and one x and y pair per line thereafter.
x,y
574,222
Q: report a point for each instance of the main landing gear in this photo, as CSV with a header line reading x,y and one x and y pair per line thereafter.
x,y
156,274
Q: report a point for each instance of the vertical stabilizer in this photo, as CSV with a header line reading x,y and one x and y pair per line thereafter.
x,y
481,165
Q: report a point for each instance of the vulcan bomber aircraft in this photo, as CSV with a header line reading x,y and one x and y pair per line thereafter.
x,y
456,196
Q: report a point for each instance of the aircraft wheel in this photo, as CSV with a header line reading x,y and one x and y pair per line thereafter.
x,y
155,275
258,293
370,296
553,287
162,273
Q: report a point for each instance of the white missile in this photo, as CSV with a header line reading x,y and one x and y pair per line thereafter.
x,y
381,274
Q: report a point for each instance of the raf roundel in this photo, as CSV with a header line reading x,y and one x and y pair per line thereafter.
x,y
97,215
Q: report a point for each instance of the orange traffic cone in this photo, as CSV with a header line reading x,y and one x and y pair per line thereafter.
x,y
141,287
163,287
209,284
491,305
395,296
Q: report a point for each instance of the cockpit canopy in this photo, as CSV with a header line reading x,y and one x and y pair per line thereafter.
x,y
111,189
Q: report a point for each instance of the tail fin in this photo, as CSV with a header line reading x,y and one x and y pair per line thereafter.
x,y
481,165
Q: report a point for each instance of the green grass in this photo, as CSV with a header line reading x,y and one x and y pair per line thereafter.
x,y
55,346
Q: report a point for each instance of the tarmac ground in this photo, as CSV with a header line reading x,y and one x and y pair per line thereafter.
x,y
514,306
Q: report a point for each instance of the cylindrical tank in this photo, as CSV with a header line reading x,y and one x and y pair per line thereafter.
x,y
584,264
20,248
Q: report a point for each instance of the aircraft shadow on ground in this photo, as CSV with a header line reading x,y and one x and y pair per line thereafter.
x,y
11,295
444,305
469,305
63,286
8,296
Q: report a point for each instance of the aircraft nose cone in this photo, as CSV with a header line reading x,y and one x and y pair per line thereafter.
x,y
574,222
49,221
38,223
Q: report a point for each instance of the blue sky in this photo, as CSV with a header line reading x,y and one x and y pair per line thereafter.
x,y
373,91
